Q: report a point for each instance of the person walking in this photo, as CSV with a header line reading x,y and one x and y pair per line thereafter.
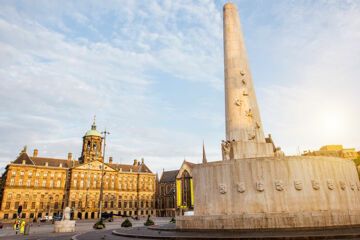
x,y
16,226
22,227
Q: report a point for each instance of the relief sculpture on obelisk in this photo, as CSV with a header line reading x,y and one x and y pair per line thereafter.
x,y
244,130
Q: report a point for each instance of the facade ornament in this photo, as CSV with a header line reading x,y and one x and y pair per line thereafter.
x,y
243,81
242,72
342,185
241,187
315,184
245,93
260,186
298,185
279,185
222,188
330,184
352,186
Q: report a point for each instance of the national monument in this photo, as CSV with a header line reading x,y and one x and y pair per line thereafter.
x,y
255,187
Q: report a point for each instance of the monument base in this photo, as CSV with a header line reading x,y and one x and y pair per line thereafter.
x,y
270,220
64,226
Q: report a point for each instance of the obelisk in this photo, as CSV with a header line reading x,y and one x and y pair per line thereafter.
x,y
243,122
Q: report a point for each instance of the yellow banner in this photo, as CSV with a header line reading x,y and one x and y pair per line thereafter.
x,y
192,192
178,189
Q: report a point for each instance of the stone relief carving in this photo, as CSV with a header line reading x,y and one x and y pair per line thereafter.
x,y
241,187
352,186
315,184
245,93
249,113
330,184
279,185
342,185
238,102
259,186
358,187
242,72
298,185
225,147
222,188
243,81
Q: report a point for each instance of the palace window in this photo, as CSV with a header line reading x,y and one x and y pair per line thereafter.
x,y
51,183
119,204
37,174
130,204
58,183
12,181
25,205
41,205
37,182
59,175
82,183
21,173
18,195
26,195
75,183
9,195
30,173
72,204
16,205
7,206
28,182
20,182
75,175
112,184
33,205
52,175
112,176
95,176
88,183
13,172
44,183
125,204
45,174
107,177
82,175
34,196
95,184
56,206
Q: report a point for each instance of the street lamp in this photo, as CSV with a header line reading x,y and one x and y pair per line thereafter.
x,y
102,174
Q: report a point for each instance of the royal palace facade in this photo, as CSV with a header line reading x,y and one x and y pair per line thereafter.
x,y
44,186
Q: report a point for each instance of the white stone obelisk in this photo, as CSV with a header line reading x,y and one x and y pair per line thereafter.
x,y
243,122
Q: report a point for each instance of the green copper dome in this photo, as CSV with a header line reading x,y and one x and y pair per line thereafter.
x,y
93,131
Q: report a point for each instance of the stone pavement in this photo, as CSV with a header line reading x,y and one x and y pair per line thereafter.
x,y
46,230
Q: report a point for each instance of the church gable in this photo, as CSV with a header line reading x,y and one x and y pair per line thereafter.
x,y
94,165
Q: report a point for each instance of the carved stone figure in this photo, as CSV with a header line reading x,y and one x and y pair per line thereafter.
x,y
330,184
242,72
238,102
259,186
342,185
222,188
241,187
67,213
279,185
315,184
225,147
298,185
352,186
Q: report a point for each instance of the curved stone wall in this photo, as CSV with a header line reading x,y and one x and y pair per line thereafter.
x,y
323,190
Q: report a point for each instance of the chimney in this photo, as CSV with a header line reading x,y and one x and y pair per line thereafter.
x,y
135,162
110,160
35,153
69,156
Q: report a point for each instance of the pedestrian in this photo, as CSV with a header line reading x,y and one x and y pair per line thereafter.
x,y
22,227
16,226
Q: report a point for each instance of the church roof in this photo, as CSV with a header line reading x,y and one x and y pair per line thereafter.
x,y
169,176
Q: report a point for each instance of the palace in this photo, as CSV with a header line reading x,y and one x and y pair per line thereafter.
x,y
44,186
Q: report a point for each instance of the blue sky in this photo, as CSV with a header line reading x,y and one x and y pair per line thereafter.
x,y
152,72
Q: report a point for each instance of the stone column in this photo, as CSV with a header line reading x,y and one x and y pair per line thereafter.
x,y
243,121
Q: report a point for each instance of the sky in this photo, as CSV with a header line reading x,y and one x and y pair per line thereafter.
x,y
152,73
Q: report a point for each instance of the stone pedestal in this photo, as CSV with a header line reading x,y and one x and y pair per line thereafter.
x,y
64,226
274,192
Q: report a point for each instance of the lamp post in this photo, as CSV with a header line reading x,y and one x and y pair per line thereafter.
x,y
102,175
